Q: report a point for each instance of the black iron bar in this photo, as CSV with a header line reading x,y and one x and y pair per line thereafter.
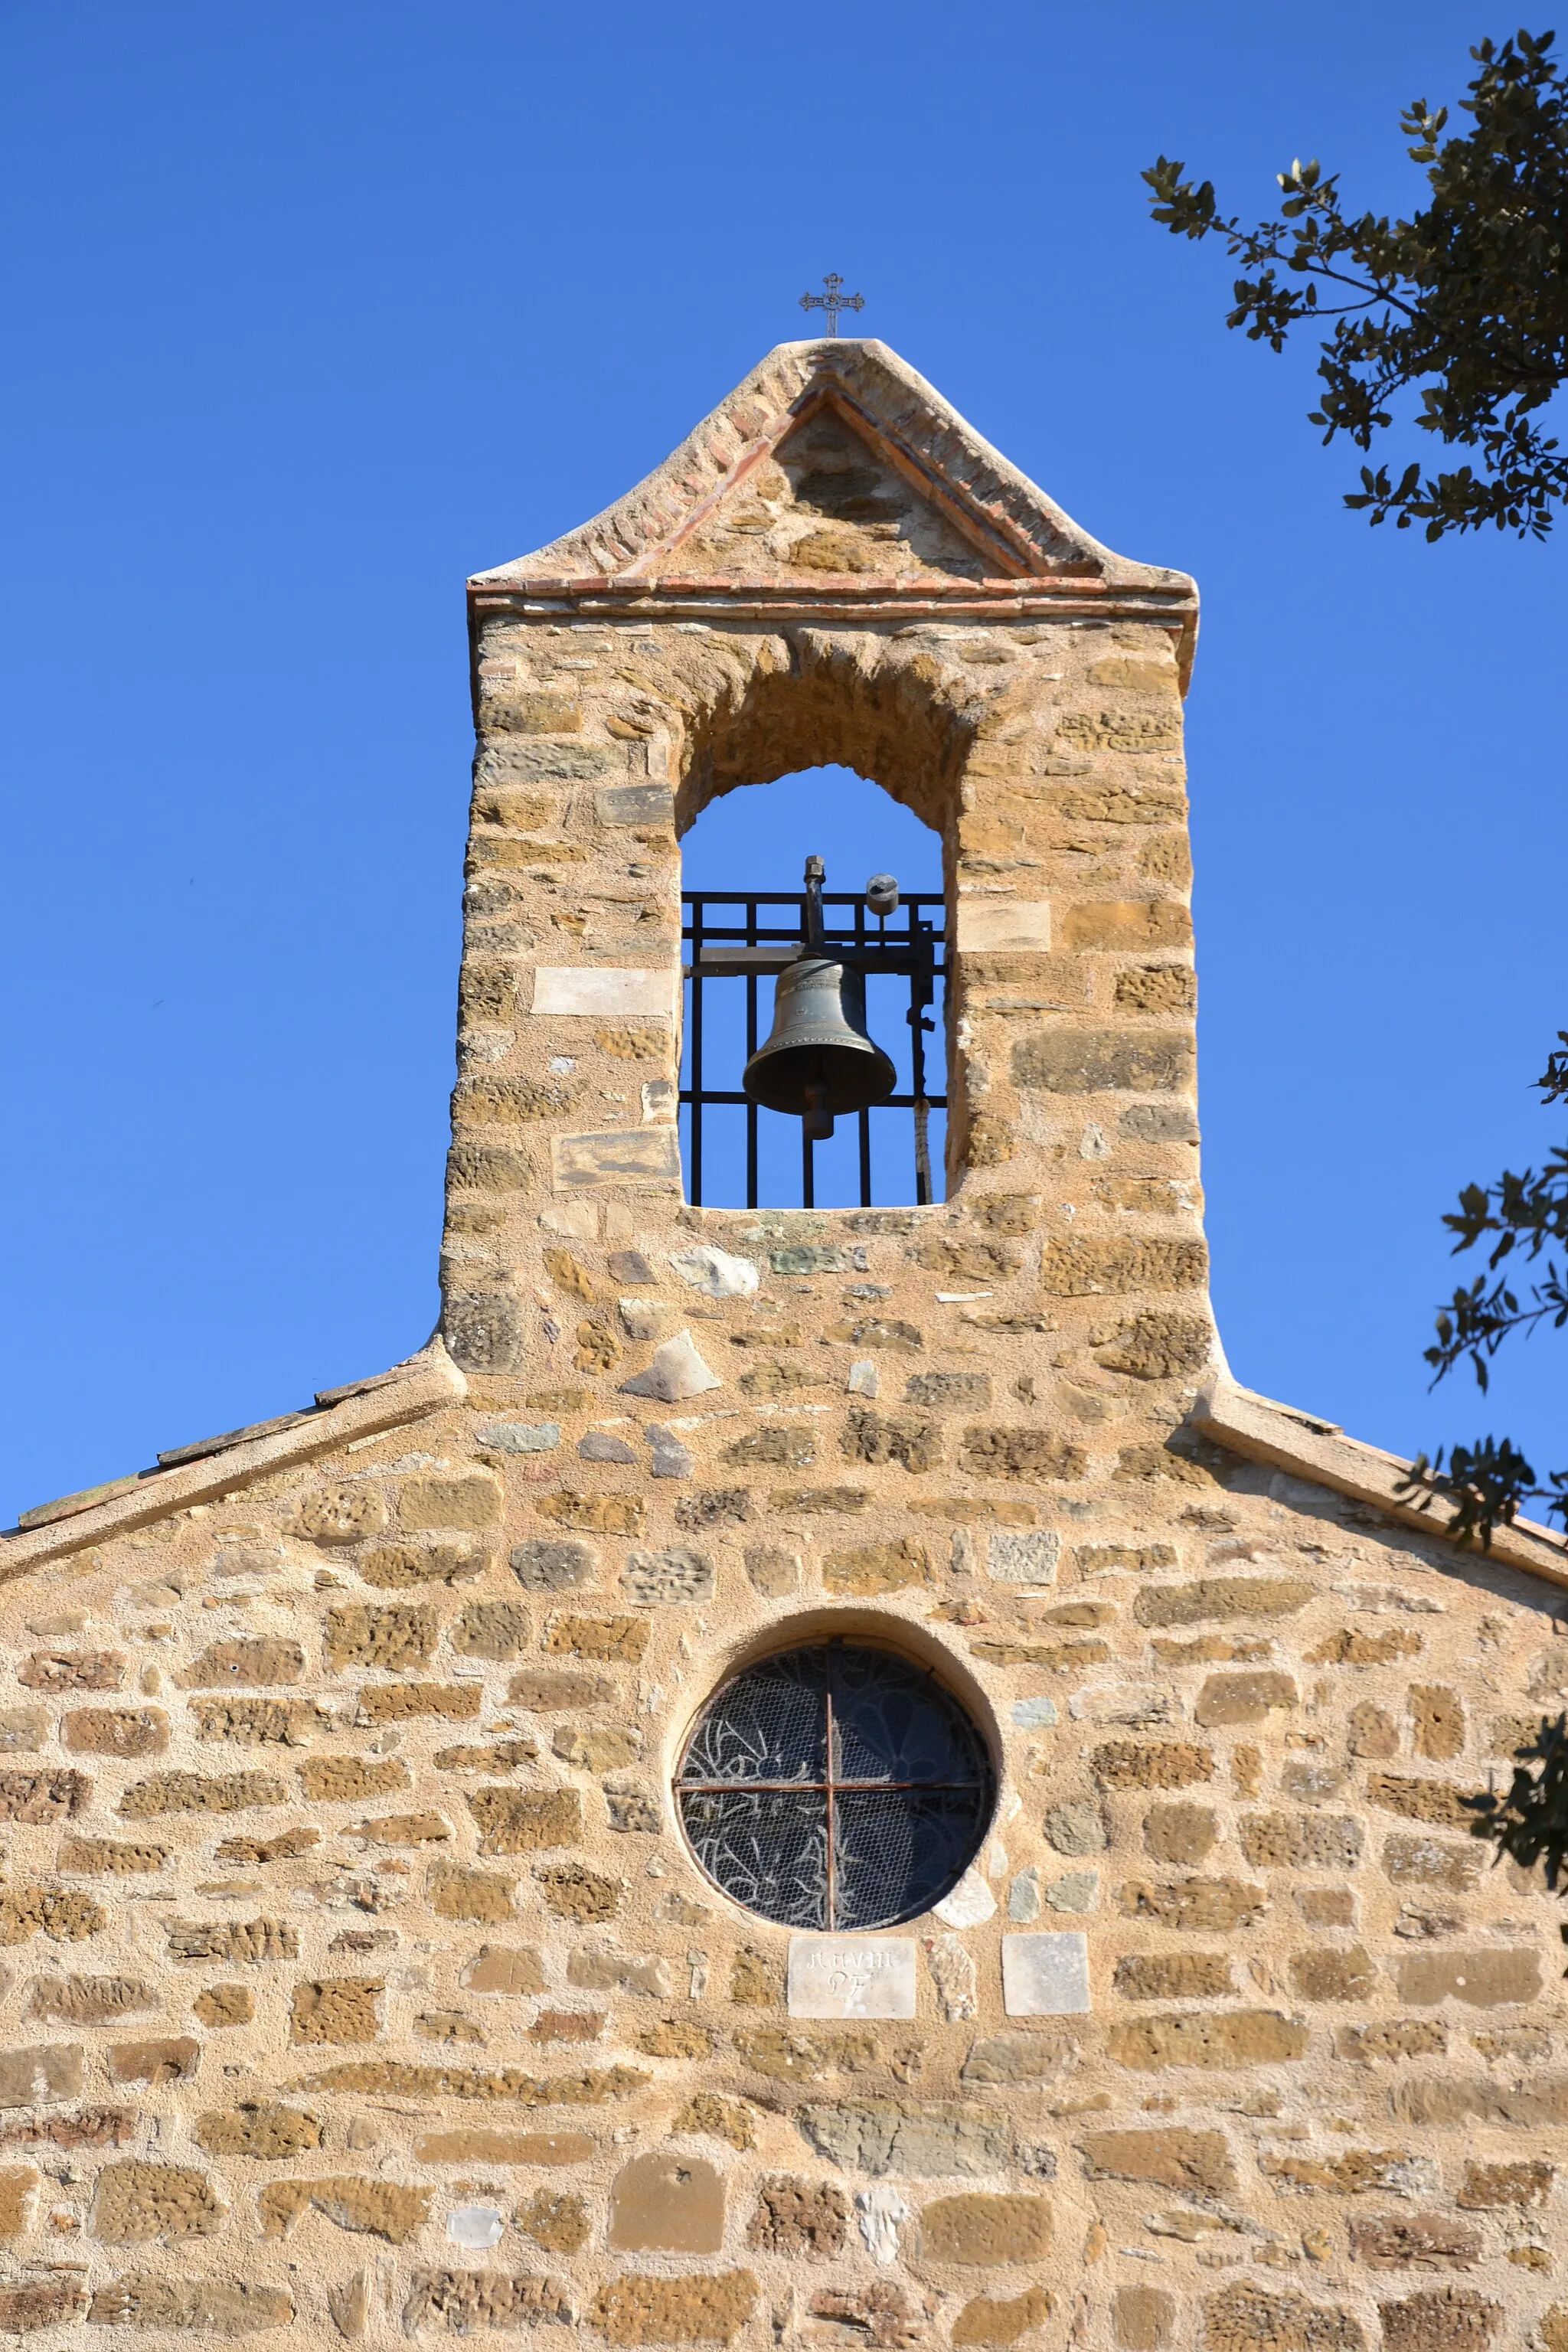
x,y
830,1809
889,1102
919,951
814,1788
697,1096
750,1049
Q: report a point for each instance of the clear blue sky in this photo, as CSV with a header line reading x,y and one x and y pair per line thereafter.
x,y
313,311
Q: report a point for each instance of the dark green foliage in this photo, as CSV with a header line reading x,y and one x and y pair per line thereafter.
x,y
1465,304
1488,1482
1530,1825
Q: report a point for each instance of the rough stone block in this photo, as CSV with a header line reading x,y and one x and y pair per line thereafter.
x,y
43,1796
1103,1061
1440,2319
677,1578
631,1155
1207,2038
1229,1699
1003,2322
1179,1833
690,2310
1482,1979
910,2140
1023,1558
40,2072
1143,2318
195,1792
521,1820
667,2204
795,2216
1174,1976
986,2229
866,1570
651,805
998,926
496,1967
213,2306
1420,2241
1196,2163
169,2058
134,2201
1344,1973
58,1671
477,1894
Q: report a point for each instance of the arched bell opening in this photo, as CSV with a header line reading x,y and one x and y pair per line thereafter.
x,y
813,1072
862,720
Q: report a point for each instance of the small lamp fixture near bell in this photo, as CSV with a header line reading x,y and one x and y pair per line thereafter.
x,y
817,1063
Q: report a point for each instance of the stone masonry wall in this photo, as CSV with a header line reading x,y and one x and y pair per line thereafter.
x,y
359,1985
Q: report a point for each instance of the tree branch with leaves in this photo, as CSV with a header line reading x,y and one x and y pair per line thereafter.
x,y
1464,306
1522,1217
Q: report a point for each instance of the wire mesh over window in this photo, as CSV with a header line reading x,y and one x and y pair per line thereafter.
x,y
834,1787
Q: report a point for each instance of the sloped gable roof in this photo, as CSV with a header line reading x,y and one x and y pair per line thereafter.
x,y
1012,530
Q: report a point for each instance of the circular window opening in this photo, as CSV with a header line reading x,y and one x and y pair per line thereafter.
x,y
837,1786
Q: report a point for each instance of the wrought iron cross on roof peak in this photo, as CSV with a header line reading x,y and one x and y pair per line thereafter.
x,y
833,302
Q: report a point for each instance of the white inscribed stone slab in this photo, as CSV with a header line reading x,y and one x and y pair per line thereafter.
x,y
1045,1975
999,923
599,989
851,1976
1016,1559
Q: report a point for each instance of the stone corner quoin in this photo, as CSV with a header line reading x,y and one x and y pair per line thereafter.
x,y
361,1984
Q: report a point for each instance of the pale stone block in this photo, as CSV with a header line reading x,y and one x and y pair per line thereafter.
x,y
677,1371
852,1975
626,1155
993,926
970,1904
877,2213
1045,1975
1024,1558
578,1220
478,2226
715,1273
1034,1713
636,804
601,992
522,1436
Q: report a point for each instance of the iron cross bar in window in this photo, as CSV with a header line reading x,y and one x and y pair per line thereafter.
x,y
910,943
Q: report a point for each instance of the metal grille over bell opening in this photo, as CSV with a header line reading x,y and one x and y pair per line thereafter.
x,y
818,1062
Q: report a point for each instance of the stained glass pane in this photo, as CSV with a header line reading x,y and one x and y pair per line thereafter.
x,y
894,1723
897,1851
768,1724
768,1853
780,1825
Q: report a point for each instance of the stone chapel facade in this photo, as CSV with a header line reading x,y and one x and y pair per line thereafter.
x,y
361,1984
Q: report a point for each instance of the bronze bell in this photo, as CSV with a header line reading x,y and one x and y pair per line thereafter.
x,y
818,1062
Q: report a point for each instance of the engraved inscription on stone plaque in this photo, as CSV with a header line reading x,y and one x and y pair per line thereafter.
x,y
852,1975
1045,1975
